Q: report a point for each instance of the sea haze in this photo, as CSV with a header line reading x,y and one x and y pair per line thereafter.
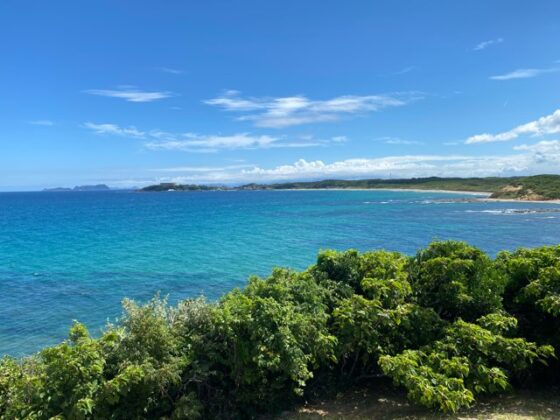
x,y
75,255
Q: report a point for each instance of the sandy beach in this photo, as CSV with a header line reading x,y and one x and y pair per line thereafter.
x,y
477,193
483,196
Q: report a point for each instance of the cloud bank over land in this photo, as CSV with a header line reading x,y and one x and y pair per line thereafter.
x,y
541,157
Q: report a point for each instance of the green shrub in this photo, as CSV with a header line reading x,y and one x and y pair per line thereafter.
x,y
470,360
457,281
443,324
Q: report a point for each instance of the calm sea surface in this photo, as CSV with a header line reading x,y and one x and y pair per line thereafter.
x,y
66,256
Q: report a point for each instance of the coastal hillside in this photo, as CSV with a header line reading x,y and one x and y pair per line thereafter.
x,y
170,186
448,326
531,188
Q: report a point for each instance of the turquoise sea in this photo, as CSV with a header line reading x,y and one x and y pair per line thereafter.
x,y
66,256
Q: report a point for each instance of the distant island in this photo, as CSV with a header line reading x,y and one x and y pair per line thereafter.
x,y
98,187
525,188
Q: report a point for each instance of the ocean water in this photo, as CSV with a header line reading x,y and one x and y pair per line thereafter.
x,y
66,256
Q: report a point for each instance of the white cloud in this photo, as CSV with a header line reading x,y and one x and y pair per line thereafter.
x,y
543,157
399,141
485,44
198,143
524,73
549,124
45,123
130,94
204,169
404,70
113,129
296,110
539,159
171,70
545,146
192,142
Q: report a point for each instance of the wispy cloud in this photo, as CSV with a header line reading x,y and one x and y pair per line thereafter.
x,y
171,70
203,169
192,142
524,73
212,143
113,129
45,123
549,124
399,141
297,110
485,44
130,94
404,70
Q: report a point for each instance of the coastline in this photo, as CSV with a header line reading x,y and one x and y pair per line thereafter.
x,y
477,193
513,200
537,188
481,196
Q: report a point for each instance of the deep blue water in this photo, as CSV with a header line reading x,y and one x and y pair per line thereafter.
x,y
66,256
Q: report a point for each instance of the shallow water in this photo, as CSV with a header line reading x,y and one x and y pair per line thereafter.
x,y
66,256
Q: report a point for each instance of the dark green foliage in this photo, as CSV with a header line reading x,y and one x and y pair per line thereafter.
x,y
274,333
170,186
469,360
533,291
533,275
340,267
442,324
380,316
456,280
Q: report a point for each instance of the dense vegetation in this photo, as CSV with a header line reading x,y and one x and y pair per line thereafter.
x,y
171,186
447,324
538,187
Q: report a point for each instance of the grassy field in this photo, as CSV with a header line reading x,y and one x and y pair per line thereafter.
x,y
384,402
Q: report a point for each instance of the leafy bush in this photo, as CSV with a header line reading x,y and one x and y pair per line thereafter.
x,y
470,360
532,296
456,280
443,324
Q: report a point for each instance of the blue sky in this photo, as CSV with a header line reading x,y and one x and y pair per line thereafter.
x,y
132,93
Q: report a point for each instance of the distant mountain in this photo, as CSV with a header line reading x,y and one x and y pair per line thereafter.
x,y
57,189
98,187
